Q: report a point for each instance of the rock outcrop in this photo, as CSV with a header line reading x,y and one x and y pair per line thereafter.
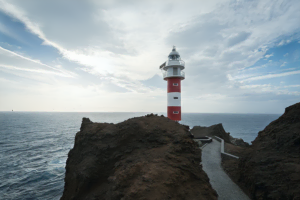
x,y
238,142
219,131
214,130
141,158
270,168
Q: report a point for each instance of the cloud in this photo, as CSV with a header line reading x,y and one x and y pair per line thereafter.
x,y
291,86
212,96
269,55
155,81
280,91
13,63
122,45
6,31
268,76
42,71
283,64
284,42
240,37
9,46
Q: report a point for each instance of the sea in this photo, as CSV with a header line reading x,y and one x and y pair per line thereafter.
x,y
34,145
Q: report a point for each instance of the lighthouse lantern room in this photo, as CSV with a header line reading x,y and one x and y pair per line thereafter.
x,y
173,73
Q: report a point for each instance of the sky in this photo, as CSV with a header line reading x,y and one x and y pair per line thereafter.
x,y
242,56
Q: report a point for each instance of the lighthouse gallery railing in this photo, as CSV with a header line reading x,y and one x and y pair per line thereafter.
x,y
175,62
166,75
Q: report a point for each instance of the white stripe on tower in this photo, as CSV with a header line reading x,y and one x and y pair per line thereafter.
x,y
174,99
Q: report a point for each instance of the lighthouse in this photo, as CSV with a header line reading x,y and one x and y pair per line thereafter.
x,y
173,73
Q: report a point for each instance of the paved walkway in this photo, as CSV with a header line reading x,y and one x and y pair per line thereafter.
x,y
211,162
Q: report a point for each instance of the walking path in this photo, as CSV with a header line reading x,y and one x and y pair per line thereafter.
x,y
211,162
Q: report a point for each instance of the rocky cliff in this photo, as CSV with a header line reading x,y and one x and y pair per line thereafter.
x,y
270,168
141,158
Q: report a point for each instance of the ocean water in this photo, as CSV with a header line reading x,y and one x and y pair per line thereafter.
x,y
34,145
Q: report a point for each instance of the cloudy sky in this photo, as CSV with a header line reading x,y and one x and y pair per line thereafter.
x,y
241,56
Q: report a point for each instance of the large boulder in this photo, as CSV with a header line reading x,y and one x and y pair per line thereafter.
x,y
141,158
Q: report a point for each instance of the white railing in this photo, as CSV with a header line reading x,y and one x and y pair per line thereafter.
x,y
169,75
182,74
175,62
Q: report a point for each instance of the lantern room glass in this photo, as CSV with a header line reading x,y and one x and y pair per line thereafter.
x,y
174,57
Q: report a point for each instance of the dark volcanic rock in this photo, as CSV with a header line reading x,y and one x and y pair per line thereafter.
x,y
270,168
148,157
214,130
238,142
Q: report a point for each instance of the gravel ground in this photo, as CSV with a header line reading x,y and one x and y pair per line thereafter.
x,y
220,181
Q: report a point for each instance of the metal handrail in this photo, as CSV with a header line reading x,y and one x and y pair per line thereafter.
x,y
165,74
175,62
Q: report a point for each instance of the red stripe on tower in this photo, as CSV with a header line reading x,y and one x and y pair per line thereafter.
x,y
174,113
174,85
173,73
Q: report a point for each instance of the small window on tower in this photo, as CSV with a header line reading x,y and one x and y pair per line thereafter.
x,y
175,112
175,97
175,84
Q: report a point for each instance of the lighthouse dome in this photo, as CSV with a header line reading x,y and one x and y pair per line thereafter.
x,y
174,55
174,52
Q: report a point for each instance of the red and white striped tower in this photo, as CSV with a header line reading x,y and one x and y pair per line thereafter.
x,y
173,73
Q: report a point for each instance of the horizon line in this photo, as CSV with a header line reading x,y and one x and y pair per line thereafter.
x,y
138,112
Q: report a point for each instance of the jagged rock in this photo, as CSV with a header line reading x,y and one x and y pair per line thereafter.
x,y
151,115
148,157
270,168
214,130
238,142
